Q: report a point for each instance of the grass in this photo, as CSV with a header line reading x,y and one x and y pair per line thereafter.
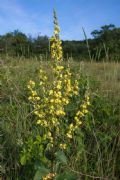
x,y
106,73
103,133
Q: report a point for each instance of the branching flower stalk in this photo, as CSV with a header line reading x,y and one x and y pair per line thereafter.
x,y
51,97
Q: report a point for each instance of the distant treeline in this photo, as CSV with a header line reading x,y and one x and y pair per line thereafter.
x,y
105,44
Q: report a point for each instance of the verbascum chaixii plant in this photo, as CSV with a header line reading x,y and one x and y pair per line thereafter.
x,y
52,98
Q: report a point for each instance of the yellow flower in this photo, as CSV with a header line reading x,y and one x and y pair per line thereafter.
x,y
84,106
59,94
37,98
41,83
87,98
58,86
85,111
32,83
75,92
34,93
57,101
63,146
41,71
49,134
52,107
81,114
76,118
36,112
45,123
88,103
79,122
60,68
51,100
49,176
45,78
60,112
69,135
71,126
40,115
30,98
50,92
39,121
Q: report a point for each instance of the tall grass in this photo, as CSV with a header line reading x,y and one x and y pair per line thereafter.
x,y
99,150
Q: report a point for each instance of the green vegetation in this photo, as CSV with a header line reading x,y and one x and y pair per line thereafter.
x,y
59,119
99,147
105,44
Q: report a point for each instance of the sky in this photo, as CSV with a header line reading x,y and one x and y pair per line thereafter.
x,y
35,17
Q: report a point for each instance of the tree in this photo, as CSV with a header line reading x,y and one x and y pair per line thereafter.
x,y
20,42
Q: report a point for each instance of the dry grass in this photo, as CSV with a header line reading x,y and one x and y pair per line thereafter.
x,y
107,75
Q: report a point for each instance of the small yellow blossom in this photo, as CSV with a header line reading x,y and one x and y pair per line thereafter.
x,y
58,86
39,121
32,83
34,93
49,134
37,98
41,83
50,92
59,68
69,135
49,176
85,111
51,100
63,146
71,126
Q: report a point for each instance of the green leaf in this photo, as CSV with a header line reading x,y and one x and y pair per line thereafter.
x,y
23,160
60,156
42,171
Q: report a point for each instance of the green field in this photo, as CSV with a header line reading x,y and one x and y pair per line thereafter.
x,y
100,147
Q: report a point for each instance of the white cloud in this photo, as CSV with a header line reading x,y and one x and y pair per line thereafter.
x,y
14,16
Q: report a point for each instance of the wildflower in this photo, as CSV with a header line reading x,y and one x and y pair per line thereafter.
x,y
58,86
49,176
37,98
39,121
84,106
76,118
59,68
71,126
50,92
31,84
63,146
50,105
34,93
49,134
85,111
41,83
51,100
60,112
88,103
69,135
30,98
56,49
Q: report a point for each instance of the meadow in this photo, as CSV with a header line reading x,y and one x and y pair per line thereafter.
x,y
99,148
59,117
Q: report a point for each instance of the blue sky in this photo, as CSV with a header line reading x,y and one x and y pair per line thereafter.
x,y
36,16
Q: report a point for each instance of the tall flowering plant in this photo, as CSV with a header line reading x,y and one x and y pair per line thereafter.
x,y
51,98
